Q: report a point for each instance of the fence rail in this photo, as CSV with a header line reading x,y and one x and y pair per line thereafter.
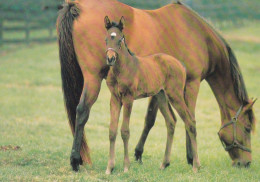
x,y
25,23
39,18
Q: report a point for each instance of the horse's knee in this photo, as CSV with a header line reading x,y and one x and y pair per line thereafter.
x,y
82,112
192,129
171,127
125,134
150,119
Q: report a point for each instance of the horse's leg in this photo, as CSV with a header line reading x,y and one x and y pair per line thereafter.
x,y
149,122
125,132
170,124
191,94
115,107
177,100
88,97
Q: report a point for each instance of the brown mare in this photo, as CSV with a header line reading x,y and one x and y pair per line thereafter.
x,y
129,78
175,30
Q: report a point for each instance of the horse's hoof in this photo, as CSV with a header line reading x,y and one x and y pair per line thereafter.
x,y
75,164
138,155
80,161
189,160
164,165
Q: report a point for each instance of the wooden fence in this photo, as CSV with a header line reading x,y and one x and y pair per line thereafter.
x,y
25,23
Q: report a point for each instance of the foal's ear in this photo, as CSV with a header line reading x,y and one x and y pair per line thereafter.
x,y
107,23
121,23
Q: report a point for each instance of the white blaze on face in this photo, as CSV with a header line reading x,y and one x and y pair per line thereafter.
x,y
113,34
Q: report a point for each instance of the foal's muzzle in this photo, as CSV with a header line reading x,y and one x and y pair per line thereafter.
x,y
111,56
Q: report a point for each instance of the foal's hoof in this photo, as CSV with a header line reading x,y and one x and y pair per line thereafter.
x,y
109,171
138,155
126,169
196,169
164,165
74,162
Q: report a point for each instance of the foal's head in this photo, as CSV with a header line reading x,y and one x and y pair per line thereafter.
x,y
115,39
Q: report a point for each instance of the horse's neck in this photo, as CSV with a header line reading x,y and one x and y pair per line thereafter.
x,y
97,1
96,5
223,89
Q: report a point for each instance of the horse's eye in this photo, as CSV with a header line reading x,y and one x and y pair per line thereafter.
x,y
248,130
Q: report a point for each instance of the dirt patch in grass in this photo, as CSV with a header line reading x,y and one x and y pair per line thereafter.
x,y
10,147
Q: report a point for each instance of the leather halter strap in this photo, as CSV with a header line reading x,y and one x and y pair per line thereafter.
x,y
235,143
113,49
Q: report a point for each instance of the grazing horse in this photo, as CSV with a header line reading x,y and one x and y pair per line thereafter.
x,y
175,30
129,78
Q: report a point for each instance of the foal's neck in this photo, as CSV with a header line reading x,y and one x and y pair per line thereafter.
x,y
126,64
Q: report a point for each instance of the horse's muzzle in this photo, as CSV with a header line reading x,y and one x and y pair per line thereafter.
x,y
111,61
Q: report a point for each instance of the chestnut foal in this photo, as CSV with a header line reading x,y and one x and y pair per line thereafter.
x,y
131,77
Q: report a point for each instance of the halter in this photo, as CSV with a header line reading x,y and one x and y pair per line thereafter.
x,y
115,50
235,143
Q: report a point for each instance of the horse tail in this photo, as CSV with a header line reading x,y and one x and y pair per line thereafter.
x,y
72,78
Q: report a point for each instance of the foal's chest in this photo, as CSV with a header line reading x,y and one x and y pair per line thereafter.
x,y
120,87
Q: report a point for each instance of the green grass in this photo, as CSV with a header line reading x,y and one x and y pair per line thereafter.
x,y
32,116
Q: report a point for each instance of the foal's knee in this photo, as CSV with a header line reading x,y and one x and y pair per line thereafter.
x,y
125,134
112,135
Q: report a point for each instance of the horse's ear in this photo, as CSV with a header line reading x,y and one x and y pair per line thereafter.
x,y
107,23
249,106
121,23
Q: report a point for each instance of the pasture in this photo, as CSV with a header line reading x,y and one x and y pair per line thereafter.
x,y
32,116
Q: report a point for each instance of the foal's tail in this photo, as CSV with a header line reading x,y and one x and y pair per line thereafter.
x,y
72,78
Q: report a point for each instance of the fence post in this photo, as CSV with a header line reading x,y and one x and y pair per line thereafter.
x,y
50,31
1,31
27,28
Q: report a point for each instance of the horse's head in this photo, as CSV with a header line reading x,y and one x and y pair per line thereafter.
x,y
114,39
235,135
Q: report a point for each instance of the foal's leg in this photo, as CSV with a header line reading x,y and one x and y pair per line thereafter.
x,y
88,97
115,107
170,124
178,102
125,132
149,122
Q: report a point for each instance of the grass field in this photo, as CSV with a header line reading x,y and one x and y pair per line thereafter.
x,y
32,116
